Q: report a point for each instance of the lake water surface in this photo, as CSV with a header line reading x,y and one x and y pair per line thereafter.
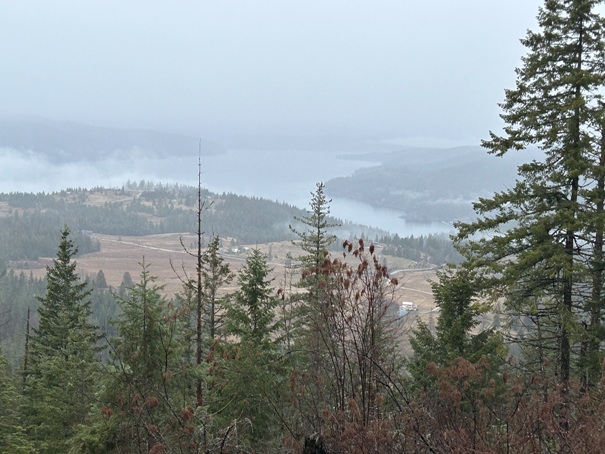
x,y
291,177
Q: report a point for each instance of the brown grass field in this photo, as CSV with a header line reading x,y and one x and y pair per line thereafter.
x,y
168,260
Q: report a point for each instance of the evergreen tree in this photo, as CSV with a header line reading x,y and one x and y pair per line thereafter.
x,y
536,242
127,280
456,334
215,275
250,311
248,376
146,396
100,280
61,378
125,285
310,325
316,239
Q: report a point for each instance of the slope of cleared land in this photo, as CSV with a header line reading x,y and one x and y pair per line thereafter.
x,y
170,263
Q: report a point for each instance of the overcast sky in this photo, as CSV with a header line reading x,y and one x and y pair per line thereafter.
x,y
432,69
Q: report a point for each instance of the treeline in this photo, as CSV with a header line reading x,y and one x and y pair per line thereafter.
x,y
17,296
29,236
28,229
424,250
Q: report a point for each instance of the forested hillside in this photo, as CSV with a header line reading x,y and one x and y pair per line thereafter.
x,y
29,223
428,184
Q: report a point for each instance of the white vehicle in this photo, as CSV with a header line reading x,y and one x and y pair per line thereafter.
x,y
407,306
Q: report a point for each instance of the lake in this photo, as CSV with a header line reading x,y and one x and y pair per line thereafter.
x,y
291,177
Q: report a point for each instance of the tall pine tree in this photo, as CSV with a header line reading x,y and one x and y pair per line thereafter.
x,y
215,275
538,242
147,397
457,334
247,372
61,378
315,239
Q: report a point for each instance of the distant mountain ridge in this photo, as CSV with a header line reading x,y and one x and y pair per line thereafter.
x,y
429,184
63,141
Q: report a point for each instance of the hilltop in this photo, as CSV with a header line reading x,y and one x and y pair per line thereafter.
x,y
428,184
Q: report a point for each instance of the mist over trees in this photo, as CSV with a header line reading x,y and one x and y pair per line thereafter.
x,y
316,361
